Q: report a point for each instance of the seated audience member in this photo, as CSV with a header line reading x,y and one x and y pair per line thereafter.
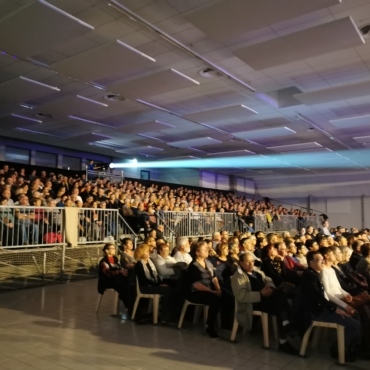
x,y
337,295
127,253
165,264
216,238
24,220
274,267
203,287
349,280
363,266
183,250
150,281
254,291
356,256
112,275
301,253
6,223
312,245
311,304
261,243
291,262
234,251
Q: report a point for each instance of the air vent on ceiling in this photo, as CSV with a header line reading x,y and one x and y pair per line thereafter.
x,y
365,30
113,97
209,73
43,115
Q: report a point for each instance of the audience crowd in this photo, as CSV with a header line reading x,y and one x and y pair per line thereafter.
x,y
138,204
297,278
319,274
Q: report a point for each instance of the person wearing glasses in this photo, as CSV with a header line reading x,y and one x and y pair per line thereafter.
x,y
112,275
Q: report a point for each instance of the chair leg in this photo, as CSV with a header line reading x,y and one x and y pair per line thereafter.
x,y
155,308
341,348
116,304
305,339
205,316
197,310
316,336
99,301
234,331
135,308
265,329
183,311
275,327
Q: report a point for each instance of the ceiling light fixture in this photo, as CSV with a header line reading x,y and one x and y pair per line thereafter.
x,y
130,14
135,50
92,101
70,16
90,121
250,109
26,118
150,137
37,132
156,107
185,76
39,83
164,123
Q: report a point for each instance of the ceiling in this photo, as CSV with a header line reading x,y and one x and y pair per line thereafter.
x,y
173,79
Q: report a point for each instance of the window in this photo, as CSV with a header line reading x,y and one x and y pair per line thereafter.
x,y
71,163
45,159
17,155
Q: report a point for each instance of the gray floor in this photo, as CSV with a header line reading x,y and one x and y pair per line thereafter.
x,y
56,327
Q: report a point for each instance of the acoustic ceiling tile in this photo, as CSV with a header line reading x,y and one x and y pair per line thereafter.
x,y
316,40
227,18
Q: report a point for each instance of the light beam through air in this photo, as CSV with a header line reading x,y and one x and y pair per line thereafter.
x,y
342,159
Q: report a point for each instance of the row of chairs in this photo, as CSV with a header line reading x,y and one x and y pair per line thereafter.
x,y
264,319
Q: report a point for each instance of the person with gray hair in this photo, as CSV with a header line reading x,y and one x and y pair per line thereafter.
x,y
183,249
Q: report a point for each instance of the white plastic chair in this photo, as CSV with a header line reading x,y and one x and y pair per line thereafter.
x,y
115,302
265,326
154,297
321,324
196,316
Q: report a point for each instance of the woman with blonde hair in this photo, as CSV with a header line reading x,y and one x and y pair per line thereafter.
x,y
149,280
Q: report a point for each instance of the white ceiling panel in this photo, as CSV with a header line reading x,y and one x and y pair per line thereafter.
x,y
11,122
24,32
111,59
268,133
316,40
203,141
227,113
23,89
295,147
343,92
155,84
362,139
350,122
227,18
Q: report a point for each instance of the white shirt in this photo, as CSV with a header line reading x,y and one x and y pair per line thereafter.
x,y
182,257
164,266
332,287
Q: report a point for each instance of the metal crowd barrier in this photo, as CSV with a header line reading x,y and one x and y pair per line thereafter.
x,y
22,226
284,223
94,175
197,223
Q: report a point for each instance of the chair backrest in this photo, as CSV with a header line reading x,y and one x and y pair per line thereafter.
x,y
137,286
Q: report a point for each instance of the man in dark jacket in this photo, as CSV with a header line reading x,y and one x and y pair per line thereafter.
x,y
312,303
